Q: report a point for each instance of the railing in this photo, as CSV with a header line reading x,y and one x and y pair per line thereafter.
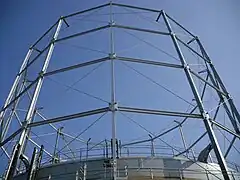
x,y
84,154
101,152
132,151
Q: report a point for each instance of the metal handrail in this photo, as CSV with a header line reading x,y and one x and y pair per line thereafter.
x,y
133,151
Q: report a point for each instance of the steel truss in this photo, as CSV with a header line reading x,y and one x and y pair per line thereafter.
x,y
27,124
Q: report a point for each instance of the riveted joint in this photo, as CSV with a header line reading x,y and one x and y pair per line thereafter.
x,y
229,96
41,73
112,55
186,66
206,116
210,62
24,124
53,40
111,23
113,107
173,34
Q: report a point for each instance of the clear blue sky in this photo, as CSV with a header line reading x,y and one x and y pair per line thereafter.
x,y
215,22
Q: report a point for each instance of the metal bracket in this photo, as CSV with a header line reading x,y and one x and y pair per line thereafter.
x,y
159,15
24,124
193,39
113,107
112,55
41,73
64,20
186,66
111,23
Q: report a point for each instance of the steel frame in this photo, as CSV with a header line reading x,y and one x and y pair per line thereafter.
x,y
216,84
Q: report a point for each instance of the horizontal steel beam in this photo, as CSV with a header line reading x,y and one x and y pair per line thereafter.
x,y
68,117
136,7
158,112
87,10
108,26
76,66
144,61
83,33
140,29
225,128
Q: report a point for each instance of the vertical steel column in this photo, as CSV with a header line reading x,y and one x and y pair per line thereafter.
x,y
13,89
113,102
205,115
32,106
